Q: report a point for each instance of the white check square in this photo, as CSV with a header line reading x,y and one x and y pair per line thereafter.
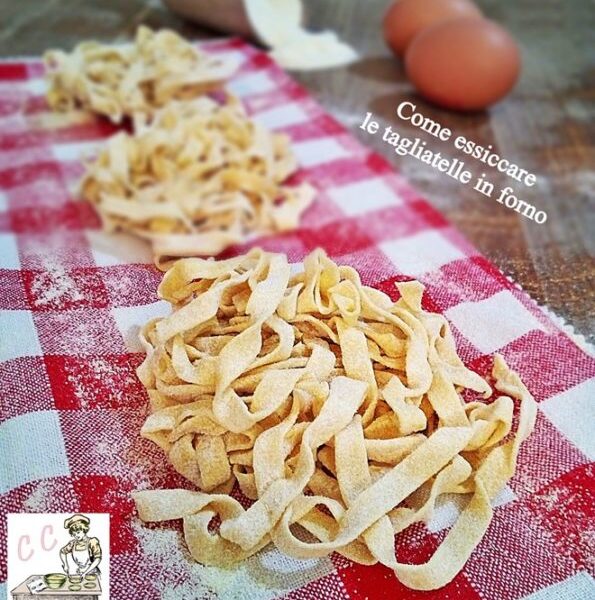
x,y
130,319
449,507
35,445
110,249
282,116
9,252
19,157
37,86
363,197
252,83
76,151
234,57
18,336
421,253
562,411
577,587
492,323
315,152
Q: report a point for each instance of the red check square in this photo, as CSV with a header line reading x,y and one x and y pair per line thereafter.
x,y
57,288
131,285
338,172
96,381
566,508
70,215
415,545
337,238
329,587
544,457
537,355
25,387
13,71
101,493
391,223
12,290
462,281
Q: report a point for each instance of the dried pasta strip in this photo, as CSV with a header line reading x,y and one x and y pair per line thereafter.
x,y
456,548
354,478
212,461
197,510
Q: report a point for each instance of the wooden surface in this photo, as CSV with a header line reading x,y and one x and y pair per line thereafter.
x,y
546,126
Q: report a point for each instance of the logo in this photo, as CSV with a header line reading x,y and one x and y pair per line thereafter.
x,y
58,552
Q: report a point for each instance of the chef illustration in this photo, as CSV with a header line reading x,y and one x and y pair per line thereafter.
x,y
83,552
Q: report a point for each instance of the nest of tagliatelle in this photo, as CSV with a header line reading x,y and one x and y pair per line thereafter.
x,y
129,80
196,178
334,408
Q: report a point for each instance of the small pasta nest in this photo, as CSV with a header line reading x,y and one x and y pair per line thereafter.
x,y
131,79
195,179
331,406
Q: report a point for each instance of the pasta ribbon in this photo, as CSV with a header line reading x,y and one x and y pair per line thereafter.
x,y
335,409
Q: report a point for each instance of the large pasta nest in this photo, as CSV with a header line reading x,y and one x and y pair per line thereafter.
x,y
330,405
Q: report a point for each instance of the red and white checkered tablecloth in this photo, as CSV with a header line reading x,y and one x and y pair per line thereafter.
x,y
71,407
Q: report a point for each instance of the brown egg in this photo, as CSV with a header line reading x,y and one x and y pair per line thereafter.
x,y
466,64
406,18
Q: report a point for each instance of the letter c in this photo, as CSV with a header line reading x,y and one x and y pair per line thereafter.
x,y
405,104
43,538
20,548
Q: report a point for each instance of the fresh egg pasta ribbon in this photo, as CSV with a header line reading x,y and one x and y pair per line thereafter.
x,y
196,178
131,79
331,406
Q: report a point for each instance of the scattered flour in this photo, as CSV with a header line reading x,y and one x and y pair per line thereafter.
x,y
175,575
54,287
39,500
99,374
265,576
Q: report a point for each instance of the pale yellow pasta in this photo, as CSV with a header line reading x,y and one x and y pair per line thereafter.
x,y
197,178
283,384
131,79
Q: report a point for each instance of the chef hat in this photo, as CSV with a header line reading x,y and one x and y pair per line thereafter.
x,y
78,518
